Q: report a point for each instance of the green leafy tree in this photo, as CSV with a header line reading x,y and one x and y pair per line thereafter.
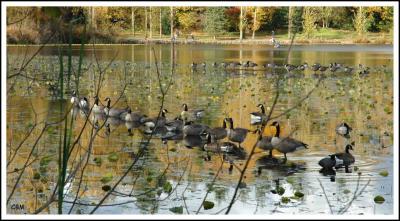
x,y
309,19
215,21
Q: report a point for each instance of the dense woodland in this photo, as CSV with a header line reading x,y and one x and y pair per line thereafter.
x,y
36,24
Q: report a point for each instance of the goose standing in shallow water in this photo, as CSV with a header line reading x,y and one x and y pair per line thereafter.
x,y
264,143
237,135
345,159
258,117
285,145
218,133
328,163
113,112
97,109
187,115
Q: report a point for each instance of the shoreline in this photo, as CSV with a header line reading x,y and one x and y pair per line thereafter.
x,y
265,42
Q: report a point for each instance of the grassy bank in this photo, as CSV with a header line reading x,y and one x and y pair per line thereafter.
x,y
320,36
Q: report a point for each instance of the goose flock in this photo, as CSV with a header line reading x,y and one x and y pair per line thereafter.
x,y
185,126
332,67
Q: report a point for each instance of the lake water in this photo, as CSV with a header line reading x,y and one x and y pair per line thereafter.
x,y
364,102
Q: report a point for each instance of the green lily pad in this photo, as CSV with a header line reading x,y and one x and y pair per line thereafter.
x,y
379,199
177,210
384,173
167,187
285,200
113,157
299,194
107,178
208,205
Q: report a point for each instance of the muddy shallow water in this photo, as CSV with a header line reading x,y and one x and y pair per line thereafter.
x,y
364,102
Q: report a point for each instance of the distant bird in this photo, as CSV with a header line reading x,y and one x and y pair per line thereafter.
x,y
345,159
193,66
224,65
203,65
214,65
290,67
333,68
322,69
315,67
364,72
348,70
302,67
234,64
285,145
344,130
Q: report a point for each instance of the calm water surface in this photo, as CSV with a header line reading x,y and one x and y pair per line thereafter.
x,y
363,102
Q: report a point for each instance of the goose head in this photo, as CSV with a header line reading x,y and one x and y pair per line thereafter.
x,y
185,107
74,93
129,110
163,112
262,108
348,147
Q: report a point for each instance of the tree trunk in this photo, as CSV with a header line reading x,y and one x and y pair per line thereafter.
x,y
160,22
133,20
150,23
145,22
241,23
254,22
93,18
290,22
172,22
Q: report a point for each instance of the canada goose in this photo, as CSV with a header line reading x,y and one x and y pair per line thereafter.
x,y
187,115
328,163
315,67
108,130
252,64
84,104
258,117
237,135
133,116
214,65
150,123
193,66
285,145
302,67
344,159
191,129
234,64
364,72
113,112
246,64
193,141
97,109
213,146
224,65
322,69
218,133
74,99
290,67
264,142
348,70
174,125
333,68
344,130
203,65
